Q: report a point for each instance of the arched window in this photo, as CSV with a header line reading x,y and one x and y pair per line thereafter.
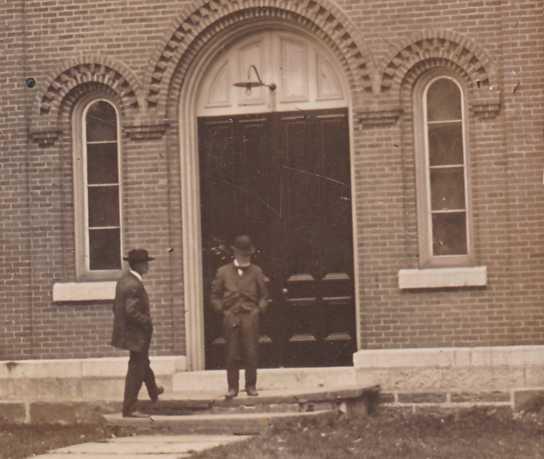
x,y
443,179
99,199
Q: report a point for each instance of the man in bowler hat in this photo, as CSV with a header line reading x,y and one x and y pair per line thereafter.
x,y
240,293
132,330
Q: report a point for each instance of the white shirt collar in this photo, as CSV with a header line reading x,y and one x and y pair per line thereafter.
x,y
239,267
136,275
238,264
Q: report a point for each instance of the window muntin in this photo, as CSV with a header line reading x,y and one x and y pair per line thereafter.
x,y
101,177
445,212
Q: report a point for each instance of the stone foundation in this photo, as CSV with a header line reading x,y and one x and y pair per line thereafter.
x,y
506,376
480,369
68,391
77,379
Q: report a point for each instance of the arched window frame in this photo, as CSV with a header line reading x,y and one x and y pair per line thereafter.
x,y
423,185
81,206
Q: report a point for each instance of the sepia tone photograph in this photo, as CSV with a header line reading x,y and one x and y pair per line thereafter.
x,y
272,229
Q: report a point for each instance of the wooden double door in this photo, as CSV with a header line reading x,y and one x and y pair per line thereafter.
x,y
284,179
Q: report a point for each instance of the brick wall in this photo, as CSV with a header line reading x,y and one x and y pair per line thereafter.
x,y
506,174
15,271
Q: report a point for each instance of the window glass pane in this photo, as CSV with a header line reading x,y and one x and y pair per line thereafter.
x,y
445,144
102,163
443,101
449,234
103,206
447,188
105,249
101,122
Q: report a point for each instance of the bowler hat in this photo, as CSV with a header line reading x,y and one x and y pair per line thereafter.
x,y
242,244
138,255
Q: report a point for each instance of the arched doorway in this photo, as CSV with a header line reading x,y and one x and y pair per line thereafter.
x,y
276,163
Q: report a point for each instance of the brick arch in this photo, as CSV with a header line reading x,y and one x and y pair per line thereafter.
x,y
484,100
96,69
429,64
91,90
437,47
196,27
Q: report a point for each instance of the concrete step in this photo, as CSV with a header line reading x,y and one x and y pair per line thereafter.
x,y
209,423
268,379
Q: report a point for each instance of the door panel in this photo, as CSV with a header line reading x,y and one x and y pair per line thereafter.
x,y
319,286
284,178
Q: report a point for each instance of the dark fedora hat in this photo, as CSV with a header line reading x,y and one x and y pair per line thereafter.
x,y
138,255
243,245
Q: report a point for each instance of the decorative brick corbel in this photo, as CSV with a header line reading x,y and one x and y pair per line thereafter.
x,y
378,117
152,130
375,110
486,102
45,137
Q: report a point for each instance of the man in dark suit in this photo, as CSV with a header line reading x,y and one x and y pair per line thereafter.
x,y
132,330
239,291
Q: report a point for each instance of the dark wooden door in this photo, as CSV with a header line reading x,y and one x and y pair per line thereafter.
x,y
284,178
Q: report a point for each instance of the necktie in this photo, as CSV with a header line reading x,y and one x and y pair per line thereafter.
x,y
241,269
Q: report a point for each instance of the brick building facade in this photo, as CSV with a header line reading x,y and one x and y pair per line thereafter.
x,y
147,59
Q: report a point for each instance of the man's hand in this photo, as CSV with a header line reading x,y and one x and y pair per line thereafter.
x,y
263,305
231,300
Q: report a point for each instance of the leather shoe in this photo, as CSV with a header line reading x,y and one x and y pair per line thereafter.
x,y
251,391
135,414
159,391
231,394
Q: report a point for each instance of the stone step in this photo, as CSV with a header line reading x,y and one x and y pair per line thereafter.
x,y
268,379
181,408
267,402
209,423
210,413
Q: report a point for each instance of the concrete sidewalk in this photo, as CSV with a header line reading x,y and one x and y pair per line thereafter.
x,y
144,447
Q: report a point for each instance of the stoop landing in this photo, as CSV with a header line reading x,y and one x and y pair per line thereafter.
x,y
269,379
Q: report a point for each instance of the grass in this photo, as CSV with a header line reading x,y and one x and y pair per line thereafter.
x,y
481,434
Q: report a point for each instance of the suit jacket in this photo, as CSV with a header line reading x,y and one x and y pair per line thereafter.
x,y
132,325
236,293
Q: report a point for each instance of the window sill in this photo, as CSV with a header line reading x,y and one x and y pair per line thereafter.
x,y
83,291
443,278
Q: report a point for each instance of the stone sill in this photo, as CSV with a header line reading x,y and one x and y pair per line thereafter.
x,y
83,291
443,278
452,357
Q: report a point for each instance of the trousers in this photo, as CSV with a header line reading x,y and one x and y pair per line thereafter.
x,y
241,332
139,372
